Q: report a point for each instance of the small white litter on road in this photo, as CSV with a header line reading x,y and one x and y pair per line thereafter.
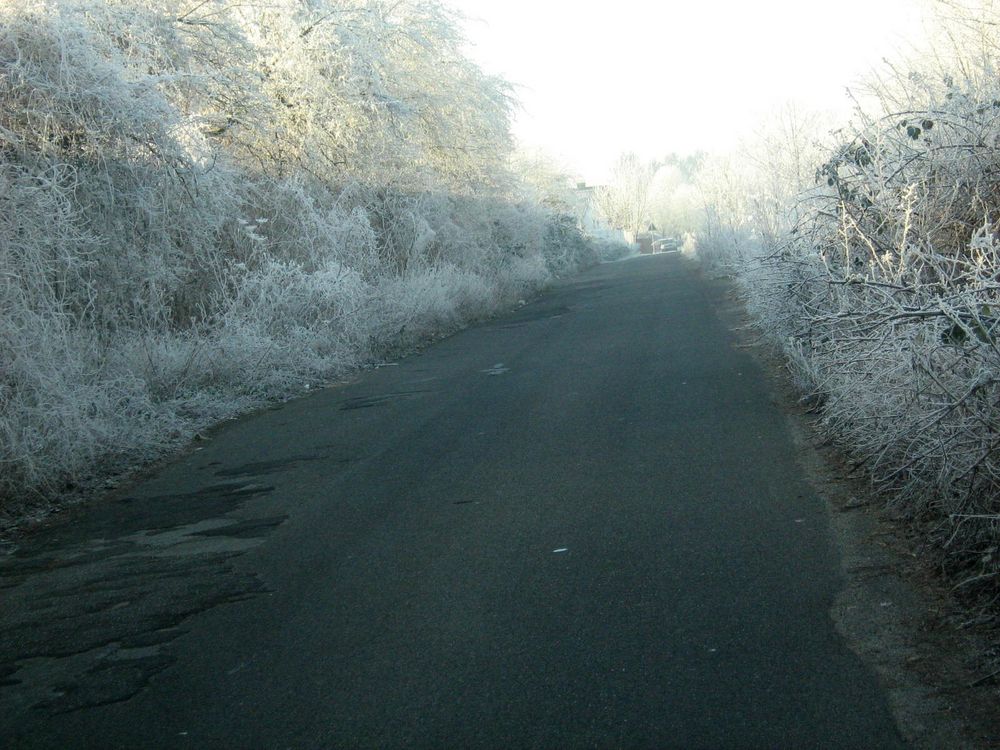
x,y
561,549
497,369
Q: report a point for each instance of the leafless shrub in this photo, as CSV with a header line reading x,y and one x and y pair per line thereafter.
x,y
205,204
881,281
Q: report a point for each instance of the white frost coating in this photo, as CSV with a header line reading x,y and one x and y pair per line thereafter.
x,y
205,205
874,261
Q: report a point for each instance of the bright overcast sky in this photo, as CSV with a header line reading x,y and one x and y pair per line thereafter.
x,y
599,78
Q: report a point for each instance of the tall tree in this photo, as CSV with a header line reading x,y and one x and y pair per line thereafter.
x,y
624,201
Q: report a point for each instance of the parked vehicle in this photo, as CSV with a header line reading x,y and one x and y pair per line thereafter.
x,y
667,245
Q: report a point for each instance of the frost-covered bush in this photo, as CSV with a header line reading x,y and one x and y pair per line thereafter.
x,y
883,286
207,204
888,291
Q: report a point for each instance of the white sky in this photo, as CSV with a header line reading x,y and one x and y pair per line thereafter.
x,y
599,78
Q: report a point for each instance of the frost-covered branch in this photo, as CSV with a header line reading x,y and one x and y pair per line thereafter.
x,y
209,203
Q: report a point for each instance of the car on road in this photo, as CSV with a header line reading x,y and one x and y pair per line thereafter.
x,y
667,245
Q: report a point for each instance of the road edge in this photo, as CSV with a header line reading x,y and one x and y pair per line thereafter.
x,y
891,610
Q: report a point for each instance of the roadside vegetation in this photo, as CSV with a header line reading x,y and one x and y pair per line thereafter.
x,y
870,252
206,204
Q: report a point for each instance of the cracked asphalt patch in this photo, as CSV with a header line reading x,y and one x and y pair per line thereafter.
x,y
609,543
90,606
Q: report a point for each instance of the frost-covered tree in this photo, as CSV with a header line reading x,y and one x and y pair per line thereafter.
x,y
208,203
675,202
624,201
546,180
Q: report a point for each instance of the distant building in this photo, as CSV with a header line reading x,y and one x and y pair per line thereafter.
x,y
589,221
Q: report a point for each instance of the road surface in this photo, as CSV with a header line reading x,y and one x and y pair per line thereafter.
x,y
579,525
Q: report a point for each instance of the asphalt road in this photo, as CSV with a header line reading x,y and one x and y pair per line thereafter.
x,y
580,525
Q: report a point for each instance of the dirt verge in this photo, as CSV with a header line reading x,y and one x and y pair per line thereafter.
x,y
893,610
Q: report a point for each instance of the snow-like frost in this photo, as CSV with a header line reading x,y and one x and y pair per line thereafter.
x,y
204,206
